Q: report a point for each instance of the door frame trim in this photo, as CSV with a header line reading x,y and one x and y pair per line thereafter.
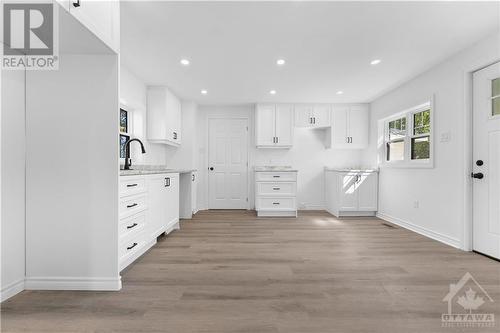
x,y
466,232
207,155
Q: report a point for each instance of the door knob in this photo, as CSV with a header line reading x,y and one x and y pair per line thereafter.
x,y
479,162
211,168
478,175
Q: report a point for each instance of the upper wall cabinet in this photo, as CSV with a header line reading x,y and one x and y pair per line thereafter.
x,y
349,128
164,116
312,116
102,18
274,125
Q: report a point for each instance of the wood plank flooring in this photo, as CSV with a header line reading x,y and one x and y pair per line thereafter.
x,y
228,271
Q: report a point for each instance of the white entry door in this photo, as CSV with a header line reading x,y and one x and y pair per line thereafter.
x,y
486,154
228,163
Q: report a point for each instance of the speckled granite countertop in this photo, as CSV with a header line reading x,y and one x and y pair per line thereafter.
x,y
152,170
266,168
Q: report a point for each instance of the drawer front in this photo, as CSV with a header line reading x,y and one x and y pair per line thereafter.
x,y
276,176
132,205
276,203
276,189
132,185
132,225
131,245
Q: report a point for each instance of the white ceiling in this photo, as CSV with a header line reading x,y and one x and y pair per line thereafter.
x,y
328,46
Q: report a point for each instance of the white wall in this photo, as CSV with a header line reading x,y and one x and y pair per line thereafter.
x,y
185,156
72,175
13,146
440,191
133,97
308,155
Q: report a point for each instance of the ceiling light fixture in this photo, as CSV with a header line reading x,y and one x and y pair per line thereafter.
x,y
272,92
184,62
204,92
340,92
280,62
375,62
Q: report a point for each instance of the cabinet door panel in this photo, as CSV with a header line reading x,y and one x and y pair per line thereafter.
x,y
348,192
321,115
303,115
157,207
265,125
284,125
172,199
358,126
339,126
367,188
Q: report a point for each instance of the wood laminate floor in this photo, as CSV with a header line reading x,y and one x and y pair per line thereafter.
x,y
228,271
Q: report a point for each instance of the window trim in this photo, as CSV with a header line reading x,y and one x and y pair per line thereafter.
x,y
408,162
130,126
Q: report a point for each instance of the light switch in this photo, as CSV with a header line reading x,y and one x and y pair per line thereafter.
x,y
445,137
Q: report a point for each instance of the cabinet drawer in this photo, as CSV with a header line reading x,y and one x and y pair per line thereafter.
x,y
130,245
276,188
276,176
132,224
132,185
276,203
132,205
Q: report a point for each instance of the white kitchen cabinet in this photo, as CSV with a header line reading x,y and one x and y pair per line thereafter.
x,y
187,193
276,193
101,17
351,192
163,195
312,116
349,128
274,125
163,116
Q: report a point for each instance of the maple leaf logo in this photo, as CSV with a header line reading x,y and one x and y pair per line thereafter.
x,y
470,301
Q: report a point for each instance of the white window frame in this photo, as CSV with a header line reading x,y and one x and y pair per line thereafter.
x,y
408,162
130,128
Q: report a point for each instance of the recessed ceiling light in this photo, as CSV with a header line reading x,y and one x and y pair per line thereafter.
x,y
184,62
340,92
204,92
272,92
375,62
280,62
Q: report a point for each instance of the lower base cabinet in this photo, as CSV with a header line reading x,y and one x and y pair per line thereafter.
x,y
351,192
149,207
276,193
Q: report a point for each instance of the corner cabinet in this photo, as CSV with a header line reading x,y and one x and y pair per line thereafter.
x,y
350,126
274,125
351,192
102,18
312,116
163,117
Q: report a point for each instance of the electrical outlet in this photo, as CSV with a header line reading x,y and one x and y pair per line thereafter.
x,y
416,204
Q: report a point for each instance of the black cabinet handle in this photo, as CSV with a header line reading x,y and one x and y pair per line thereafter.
x,y
131,226
276,188
277,139
76,3
478,175
276,176
131,185
314,120
132,246
175,135
276,203
132,205
193,177
167,182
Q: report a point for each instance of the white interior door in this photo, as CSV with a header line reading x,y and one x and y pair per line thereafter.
x,y
227,162
486,154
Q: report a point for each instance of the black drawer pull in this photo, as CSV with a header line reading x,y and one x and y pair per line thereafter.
x,y
132,246
276,176
276,203
131,185
132,205
276,188
131,226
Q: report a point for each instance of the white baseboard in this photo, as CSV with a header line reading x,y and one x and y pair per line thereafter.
x,y
312,207
420,230
75,283
11,290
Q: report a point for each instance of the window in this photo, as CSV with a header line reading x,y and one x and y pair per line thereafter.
x,y
407,137
495,97
125,129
